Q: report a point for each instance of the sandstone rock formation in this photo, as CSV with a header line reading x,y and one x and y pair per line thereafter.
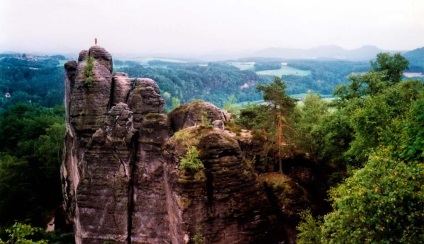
x,y
121,175
225,201
194,113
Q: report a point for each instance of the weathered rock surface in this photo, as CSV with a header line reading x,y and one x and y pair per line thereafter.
x,y
145,98
102,56
121,174
224,202
288,200
122,85
194,113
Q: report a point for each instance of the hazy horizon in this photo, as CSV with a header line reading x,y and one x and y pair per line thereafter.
x,y
197,27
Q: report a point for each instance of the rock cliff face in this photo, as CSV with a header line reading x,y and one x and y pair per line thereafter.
x,y
121,175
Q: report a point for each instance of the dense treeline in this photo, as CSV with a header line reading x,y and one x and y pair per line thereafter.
x,y
36,80
214,82
31,142
325,75
270,65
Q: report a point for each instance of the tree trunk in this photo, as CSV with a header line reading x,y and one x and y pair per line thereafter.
x,y
280,141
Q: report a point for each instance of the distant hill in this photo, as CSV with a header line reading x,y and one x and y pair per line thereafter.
x,y
321,52
416,59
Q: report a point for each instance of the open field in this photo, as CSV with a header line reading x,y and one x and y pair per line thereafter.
x,y
284,70
244,65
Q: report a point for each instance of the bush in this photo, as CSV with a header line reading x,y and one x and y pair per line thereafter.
x,y
23,234
309,229
380,203
88,71
198,237
191,162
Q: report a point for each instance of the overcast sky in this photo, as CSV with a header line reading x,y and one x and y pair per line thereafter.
x,y
204,26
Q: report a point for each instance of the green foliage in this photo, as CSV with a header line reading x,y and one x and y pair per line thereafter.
x,y
325,75
380,203
333,136
386,71
274,119
368,123
252,116
166,95
88,71
308,118
49,148
31,80
413,139
280,184
309,229
406,138
21,233
367,113
377,123
392,66
31,141
15,189
182,136
198,237
376,119
270,65
212,83
231,105
217,81
205,123
278,116
190,162
175,102
276,96
170,101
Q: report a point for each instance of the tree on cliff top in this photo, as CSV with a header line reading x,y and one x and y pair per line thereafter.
x,y
278,114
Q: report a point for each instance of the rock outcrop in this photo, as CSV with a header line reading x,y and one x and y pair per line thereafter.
x,y
194,113
122,176
224,202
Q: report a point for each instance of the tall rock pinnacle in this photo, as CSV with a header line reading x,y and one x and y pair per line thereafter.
x,y
121,174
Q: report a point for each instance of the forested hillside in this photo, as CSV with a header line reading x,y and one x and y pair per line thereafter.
x,y
31,80
213,82
39,79
416,59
